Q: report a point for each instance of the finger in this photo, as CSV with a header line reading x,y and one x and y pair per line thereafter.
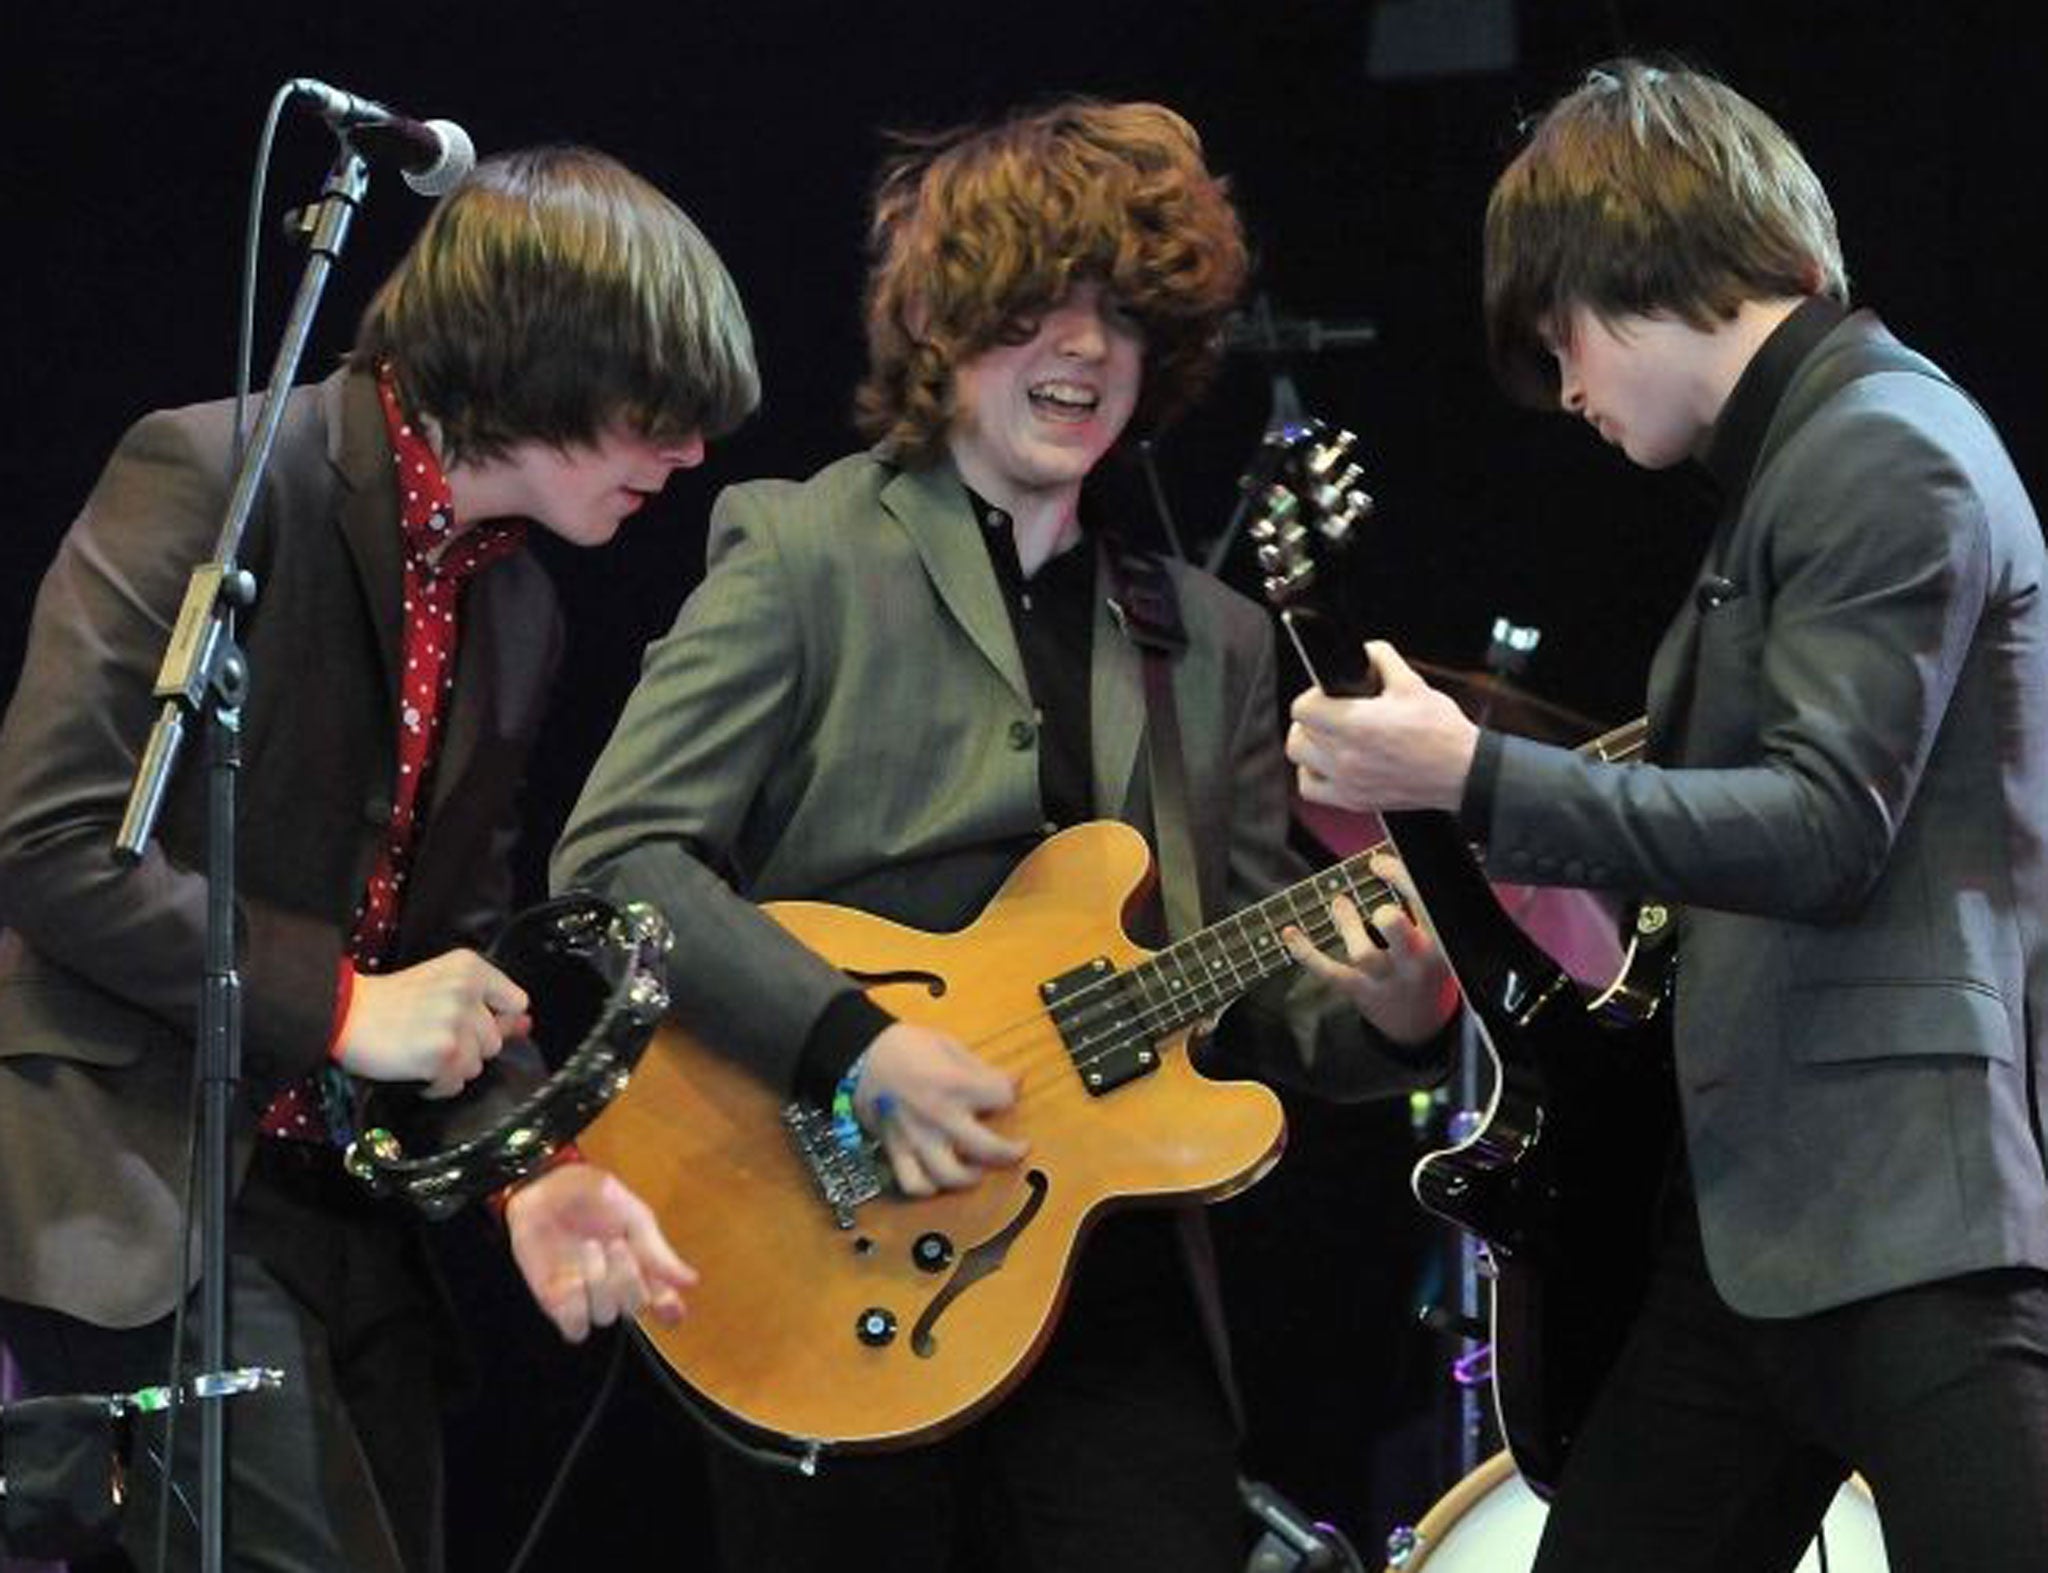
x,y
1400,933
497,991
1361,934
619,1290
944,1165
904,1164
990,1091
658,1260
481,1036
1313,960
1392,872
977,1142
1312,710
1301,743
1316,788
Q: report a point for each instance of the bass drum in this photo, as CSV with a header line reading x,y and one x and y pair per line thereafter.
x,y
1490,1521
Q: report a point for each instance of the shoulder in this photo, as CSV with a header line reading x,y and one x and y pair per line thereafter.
x,y
842,491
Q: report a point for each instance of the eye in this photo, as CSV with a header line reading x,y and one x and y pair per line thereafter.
x,y
1018,330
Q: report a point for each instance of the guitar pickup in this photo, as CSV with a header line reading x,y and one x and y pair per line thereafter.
x,y
844,1179
1102,1024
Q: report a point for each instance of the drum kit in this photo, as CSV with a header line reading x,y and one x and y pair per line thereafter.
x,y
1490,1522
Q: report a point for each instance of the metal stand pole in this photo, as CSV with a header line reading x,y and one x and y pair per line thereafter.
x,y
205,673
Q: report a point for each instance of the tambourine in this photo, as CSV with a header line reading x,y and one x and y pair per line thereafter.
x,y
593,976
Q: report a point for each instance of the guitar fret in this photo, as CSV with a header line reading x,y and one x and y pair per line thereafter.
x,y
1214,966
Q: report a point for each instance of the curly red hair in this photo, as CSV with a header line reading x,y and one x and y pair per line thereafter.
x,y
978,229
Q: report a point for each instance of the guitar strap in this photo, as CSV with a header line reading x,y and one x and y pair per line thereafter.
x,y
1147,610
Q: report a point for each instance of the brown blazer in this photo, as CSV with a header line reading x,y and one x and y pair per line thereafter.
x,y
100,967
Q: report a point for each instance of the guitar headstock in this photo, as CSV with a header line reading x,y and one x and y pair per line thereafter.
x,y
1308,501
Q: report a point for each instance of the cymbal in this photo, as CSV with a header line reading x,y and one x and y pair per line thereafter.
x,y
1492,701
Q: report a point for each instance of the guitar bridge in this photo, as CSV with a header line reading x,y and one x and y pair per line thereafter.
x,y
1107,1041
844,1179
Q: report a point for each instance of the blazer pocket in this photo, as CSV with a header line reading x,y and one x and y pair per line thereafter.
x,y
1843,1023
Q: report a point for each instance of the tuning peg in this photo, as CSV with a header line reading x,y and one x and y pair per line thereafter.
x,y
1325,458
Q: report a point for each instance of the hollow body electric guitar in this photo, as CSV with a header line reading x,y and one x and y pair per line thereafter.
x,y
1560,1177
838,1315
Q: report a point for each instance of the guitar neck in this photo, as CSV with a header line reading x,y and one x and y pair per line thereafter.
x,y
1199,975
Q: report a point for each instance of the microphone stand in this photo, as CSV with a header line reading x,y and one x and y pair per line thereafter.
x,y
205,676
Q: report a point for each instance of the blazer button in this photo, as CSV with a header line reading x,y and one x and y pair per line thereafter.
x,y
1022,735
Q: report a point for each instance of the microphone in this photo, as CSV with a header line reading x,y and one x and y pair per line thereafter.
x,y
1715,591
432,155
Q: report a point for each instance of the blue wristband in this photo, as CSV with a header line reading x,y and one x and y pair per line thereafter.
x,y
845,1127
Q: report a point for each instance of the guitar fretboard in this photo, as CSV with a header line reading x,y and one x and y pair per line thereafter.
x,y
1199,975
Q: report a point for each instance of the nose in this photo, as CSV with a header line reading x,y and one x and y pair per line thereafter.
x,y
1080,332
1571,392
683,453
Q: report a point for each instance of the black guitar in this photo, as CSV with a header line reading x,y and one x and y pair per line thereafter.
x,y
1560,1178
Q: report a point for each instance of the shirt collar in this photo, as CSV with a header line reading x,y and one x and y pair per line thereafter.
x,y
1738,436
426,502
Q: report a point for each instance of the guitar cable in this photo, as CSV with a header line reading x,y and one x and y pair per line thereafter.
x,y
577,1443
804,1463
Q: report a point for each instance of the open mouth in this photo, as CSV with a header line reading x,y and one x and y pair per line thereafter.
x,y
1064,401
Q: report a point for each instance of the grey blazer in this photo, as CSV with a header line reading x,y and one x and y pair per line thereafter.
x,y
841,714
1852,802
100,966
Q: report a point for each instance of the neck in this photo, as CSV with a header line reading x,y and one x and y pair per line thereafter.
x,y
1733,345
1045,520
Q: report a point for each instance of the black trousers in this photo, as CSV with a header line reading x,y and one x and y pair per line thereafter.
x,y
340,1471
1719,1441
1115,1455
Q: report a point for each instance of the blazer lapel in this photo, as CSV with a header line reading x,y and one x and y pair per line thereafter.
x,y
931,505
360,449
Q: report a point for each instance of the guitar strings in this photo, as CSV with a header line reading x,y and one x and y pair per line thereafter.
x,y
1319,927
1621,745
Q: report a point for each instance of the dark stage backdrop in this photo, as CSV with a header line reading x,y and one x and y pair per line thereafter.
x,y
1362,139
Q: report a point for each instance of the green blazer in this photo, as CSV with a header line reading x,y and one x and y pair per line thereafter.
x,y
840,714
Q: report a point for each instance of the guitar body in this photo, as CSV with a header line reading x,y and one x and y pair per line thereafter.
x,y
1562,1182
902,1319
1561,1176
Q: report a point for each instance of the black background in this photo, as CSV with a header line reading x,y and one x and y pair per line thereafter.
x,y
1362,177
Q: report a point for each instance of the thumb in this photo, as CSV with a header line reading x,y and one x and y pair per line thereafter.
x,y
1394,672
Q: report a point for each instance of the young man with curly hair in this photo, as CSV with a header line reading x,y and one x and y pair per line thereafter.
x,y
901,676
558,341
1847,790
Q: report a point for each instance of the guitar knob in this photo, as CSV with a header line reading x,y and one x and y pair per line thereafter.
x,y
875,1327
932,1252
